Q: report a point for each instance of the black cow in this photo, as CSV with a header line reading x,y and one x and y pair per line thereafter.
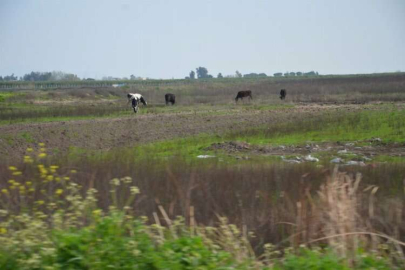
x,y
283,93
170,98
243,94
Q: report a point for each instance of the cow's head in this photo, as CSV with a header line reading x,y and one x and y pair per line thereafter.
x,y
143,100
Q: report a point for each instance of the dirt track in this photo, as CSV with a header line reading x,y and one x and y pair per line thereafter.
x,y
108,133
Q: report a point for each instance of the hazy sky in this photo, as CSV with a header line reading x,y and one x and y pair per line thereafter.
x,y
165,39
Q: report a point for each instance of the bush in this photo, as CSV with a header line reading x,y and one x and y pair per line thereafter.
x,y
316,260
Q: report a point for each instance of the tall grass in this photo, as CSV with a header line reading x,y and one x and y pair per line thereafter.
x,y
80,216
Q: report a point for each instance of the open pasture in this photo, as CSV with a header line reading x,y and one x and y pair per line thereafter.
x,y
260,163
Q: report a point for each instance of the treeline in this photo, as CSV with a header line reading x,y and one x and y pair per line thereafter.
x,y
202,73
35,76
298,73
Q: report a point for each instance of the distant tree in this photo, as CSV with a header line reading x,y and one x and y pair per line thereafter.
x,y
286,74
192,75
50,76
1,78
202,73
187,78
238,74
278,74
299,73
292,74
132,77
311,73
210,76
9,78
219,76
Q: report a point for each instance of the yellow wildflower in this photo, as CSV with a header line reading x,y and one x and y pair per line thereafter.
x,y
17,173
59,191
31,190
42,155
42,149
28,183
135,190
97,212
54,167
41,202
67,178
12,168
49,177
41,144
5,191
28,159
73,171
3,230
30,149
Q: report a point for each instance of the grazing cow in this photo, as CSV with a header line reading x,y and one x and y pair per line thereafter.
x,y
243,94
135,99
283,93
170,98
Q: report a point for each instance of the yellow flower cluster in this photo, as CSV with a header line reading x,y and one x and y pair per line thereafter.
x,y
28,159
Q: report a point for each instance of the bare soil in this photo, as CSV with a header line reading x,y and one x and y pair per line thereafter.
x,y
108,133
367,149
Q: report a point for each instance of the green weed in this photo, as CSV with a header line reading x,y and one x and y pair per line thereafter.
x,y
360,126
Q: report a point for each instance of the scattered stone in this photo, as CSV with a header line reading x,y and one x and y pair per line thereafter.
x,y
342,152
336,160
349,144
376,140
311,158
292,161
230,146
205,156
355,163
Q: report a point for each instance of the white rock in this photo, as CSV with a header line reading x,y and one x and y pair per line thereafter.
x,y
205,156
336,160
342,152
355,163
292,161
311,158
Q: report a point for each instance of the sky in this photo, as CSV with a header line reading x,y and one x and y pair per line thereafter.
x,y
167,39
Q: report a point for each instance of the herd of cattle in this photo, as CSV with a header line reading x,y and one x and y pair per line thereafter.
x,y
135,99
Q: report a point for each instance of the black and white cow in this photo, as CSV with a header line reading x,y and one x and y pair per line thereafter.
x,y
135,99
283,93
170,98
243,94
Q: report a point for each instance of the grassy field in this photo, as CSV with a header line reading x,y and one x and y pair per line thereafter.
x,y
87,184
